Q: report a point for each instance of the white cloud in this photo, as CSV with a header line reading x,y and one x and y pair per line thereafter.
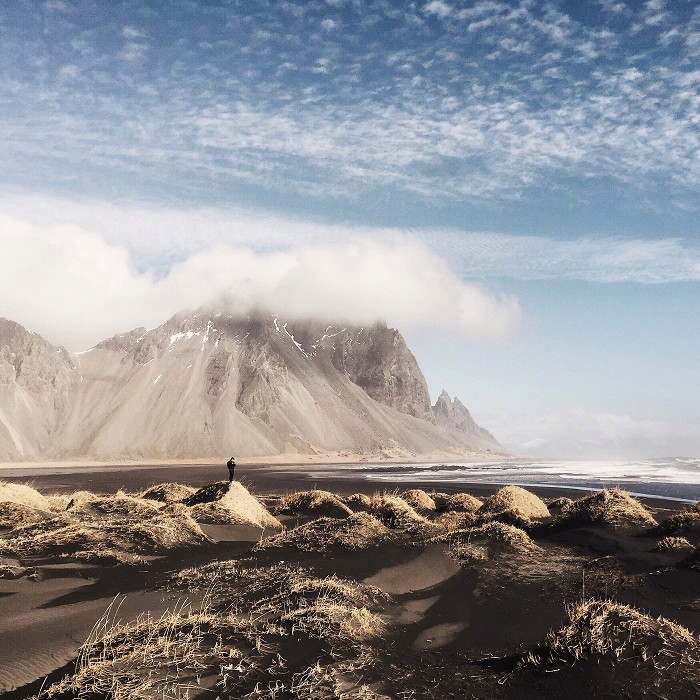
x,y
603,259
437,7
132,32
68,72
67,283
328,24
151,234
133,50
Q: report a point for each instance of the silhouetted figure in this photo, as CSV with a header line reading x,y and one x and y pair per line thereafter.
x,y
231,464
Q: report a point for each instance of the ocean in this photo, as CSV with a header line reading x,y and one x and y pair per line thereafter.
x,y
670,479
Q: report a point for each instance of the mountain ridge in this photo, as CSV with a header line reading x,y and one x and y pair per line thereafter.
x,y
206,383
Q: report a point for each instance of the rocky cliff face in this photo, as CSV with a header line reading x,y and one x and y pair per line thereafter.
x,y
36,381
209,383
454,417
375,358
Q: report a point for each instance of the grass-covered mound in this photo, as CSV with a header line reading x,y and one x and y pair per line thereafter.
x,y
462,503
224,502
121,505
514,501
357,531
271,632
23,494
559,504
621,652
419,499
395,513
291,592
611,507
14,515
455,520
121,527
358,502
669,543
488,541
86,536
315,503
686,523
168,492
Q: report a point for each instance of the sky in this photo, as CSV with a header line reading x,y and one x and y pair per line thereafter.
x,y
515,185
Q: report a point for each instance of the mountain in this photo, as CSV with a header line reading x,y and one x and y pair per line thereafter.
x,y
454,417
211,383
36,381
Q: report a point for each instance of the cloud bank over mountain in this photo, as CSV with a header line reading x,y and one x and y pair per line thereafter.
x,y
75,288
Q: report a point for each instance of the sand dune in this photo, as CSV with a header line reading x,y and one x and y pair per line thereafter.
x,y
372,600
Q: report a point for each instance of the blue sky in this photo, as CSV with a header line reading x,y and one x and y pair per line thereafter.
x,y
541,158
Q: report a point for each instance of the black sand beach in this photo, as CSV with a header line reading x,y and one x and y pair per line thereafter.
x,y
436,601
338,478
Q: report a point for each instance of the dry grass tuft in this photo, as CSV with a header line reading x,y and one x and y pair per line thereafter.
x,y
206,652
120,505
515,500
672,543
322,607
419,499
487,541
394,512
598,628
58,503
230,503
316,503
357,531
326,617
105,537
462,503
358,502
79,500
508,534
455,520
14,515
168,492
560,503
23,494
685,522
612,507
149,659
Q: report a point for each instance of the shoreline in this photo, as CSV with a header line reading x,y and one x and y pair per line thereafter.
x,y
269,479
288,459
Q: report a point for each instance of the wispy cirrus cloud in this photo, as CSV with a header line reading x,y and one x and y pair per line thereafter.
x,y
156,238
477,100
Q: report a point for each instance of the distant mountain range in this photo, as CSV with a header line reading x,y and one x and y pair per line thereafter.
x,y
207,384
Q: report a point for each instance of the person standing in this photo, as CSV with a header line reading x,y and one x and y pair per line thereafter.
x,y
231,464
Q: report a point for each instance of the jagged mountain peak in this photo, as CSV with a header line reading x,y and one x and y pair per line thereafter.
x,y
443,399
455,417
